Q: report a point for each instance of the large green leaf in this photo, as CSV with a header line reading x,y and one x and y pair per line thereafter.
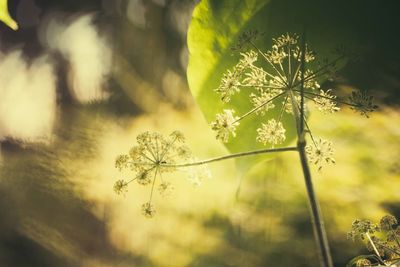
x,y
5,15
215,27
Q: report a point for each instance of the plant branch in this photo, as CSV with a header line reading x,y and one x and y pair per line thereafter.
x,y
330,98
235,155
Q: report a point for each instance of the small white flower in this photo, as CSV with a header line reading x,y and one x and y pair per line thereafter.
x,y
256,78
276,55
286,39
309,81
229,86
225,125
278,82
324,102
320,153
308,57
247,59
263,98
271,132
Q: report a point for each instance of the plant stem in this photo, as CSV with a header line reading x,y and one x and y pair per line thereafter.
x,y
316,218
321,239
230,156
375,249
258,107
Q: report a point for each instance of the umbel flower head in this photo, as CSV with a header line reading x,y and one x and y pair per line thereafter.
x,y
225,125
382,239
272,132
360,228
152,157
319,152
274,79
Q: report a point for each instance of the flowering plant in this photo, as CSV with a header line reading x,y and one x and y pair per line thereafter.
x,y
284,82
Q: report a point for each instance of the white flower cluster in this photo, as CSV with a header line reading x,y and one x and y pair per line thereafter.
x,y
272,132
279,77
153,156
325,102
320,152
225,124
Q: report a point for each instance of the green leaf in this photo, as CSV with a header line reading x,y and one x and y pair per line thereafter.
x,y
215,27
5,15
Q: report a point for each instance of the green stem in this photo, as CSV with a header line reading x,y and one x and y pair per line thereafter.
x,y
321,239
235,155
316,217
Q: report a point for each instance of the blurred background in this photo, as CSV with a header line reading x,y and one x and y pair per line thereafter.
x,y
80,79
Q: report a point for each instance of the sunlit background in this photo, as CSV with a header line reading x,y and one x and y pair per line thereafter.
x,y
80,79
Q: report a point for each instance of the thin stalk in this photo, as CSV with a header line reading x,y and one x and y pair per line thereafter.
x,y
283,108
289,66
261,86
152,186
321,71
137,176
272,65
258,107
308,127
167,148
309,132
321,239
330,98
375,249
316,217
231,156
